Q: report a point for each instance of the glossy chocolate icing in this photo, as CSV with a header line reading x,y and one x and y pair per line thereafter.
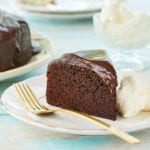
x,y
15,41
98,57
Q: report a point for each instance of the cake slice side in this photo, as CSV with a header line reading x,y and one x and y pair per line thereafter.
x,y
81,85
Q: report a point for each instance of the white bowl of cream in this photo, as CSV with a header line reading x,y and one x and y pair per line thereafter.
x,y
122,28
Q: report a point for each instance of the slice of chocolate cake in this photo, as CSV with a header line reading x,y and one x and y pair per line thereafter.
x,y
15,41
87,86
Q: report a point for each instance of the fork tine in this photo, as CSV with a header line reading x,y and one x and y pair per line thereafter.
x,y
34,98
29,98
23,96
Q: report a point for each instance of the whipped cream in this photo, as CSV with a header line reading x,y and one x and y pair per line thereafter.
x,y
122,28
134,94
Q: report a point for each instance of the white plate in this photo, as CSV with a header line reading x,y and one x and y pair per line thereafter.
x,y
66,9
36,61
63,122
62,6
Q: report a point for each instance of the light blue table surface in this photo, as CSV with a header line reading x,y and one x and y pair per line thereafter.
x,y
66,36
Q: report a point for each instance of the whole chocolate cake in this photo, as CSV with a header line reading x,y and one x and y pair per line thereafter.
x,y
15,42
83,85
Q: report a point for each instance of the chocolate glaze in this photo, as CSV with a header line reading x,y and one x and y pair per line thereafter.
x,y
15,42
83,85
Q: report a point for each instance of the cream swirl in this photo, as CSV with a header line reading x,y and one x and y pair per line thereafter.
x,y
122,28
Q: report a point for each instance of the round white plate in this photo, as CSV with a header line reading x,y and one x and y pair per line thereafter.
x,y
63,122
36,61
62,6
65,9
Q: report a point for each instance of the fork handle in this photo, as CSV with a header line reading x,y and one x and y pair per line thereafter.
x,y
128,138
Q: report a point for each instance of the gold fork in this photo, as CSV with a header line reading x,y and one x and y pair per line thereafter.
x,y
32,103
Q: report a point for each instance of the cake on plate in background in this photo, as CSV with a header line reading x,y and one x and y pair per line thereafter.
x,y
15,41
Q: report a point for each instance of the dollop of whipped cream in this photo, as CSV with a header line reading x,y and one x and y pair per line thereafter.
x,y
122,28
134,94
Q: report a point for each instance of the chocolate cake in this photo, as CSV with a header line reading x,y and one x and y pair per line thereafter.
x,y
15,42
83,85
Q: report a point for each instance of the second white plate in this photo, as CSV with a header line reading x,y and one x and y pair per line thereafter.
x,y
61,6
63,9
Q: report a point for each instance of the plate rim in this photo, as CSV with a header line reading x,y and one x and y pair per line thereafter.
x,y
72,131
